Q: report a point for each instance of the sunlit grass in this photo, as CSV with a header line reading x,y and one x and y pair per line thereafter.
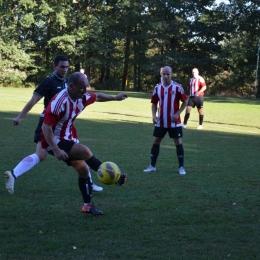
x,y
211,213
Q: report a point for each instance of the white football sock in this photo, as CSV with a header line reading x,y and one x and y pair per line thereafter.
x,y
26,164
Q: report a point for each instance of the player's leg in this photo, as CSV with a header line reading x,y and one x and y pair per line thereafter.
x,y
199,104
201,118
28,162
95,187
158,134
94,163
85,187
189,107
176,134
75,160
79,151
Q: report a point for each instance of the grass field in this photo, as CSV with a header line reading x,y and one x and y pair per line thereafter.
x,y
213,212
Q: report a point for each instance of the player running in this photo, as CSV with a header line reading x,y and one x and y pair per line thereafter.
x,y
47,89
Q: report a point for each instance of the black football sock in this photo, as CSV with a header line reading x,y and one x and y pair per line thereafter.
x,y
186,118
93,163
201,117
180,154
154,154
85,189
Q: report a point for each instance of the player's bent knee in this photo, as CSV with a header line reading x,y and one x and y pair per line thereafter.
x,y
42,156
82,151
42,159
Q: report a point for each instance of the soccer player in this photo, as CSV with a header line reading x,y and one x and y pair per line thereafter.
x,y
197,88
59,136
168,94
83,71
48,88
161,73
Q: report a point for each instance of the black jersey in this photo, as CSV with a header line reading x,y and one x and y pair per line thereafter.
x,y
49,87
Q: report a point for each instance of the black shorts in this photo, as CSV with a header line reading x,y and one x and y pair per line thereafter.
x,y
38,130
174,133
196,101
66,146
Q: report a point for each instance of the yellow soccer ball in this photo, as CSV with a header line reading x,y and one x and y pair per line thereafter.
x,y
108,173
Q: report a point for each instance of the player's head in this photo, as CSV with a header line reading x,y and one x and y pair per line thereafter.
x,y
195,72
77,85
167,75
59,58
61,65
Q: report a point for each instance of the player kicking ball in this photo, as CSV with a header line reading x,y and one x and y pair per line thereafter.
x,y
59,136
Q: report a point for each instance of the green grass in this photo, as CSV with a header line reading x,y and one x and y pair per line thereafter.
x,y
213,212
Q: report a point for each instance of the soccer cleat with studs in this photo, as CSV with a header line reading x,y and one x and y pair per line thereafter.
x,y
9,181
96,188
182,171
150,169
122,179
91,209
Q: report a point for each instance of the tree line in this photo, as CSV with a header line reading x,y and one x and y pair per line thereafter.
x,y
122,44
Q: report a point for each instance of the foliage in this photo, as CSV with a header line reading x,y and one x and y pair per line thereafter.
x,y
126,42
238,55
15,64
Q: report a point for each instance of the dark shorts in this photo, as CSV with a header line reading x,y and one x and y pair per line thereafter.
x,y
196,102
173,132
38,130
66,146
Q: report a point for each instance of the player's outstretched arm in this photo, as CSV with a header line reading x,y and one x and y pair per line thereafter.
x,y
102,97
35,98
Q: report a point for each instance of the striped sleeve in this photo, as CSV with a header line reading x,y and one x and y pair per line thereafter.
x,y
55,109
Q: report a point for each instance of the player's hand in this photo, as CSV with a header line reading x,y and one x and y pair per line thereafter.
x,y
155,119
60,154
175,117
17,120
121,96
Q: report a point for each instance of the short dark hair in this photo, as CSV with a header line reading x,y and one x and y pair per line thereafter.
x,y
60,58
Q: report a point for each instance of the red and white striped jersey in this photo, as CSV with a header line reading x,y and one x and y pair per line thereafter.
x,y
196,85
61,113
168,99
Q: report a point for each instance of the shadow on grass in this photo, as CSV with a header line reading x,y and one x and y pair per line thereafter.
x,y
229,124
249,101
